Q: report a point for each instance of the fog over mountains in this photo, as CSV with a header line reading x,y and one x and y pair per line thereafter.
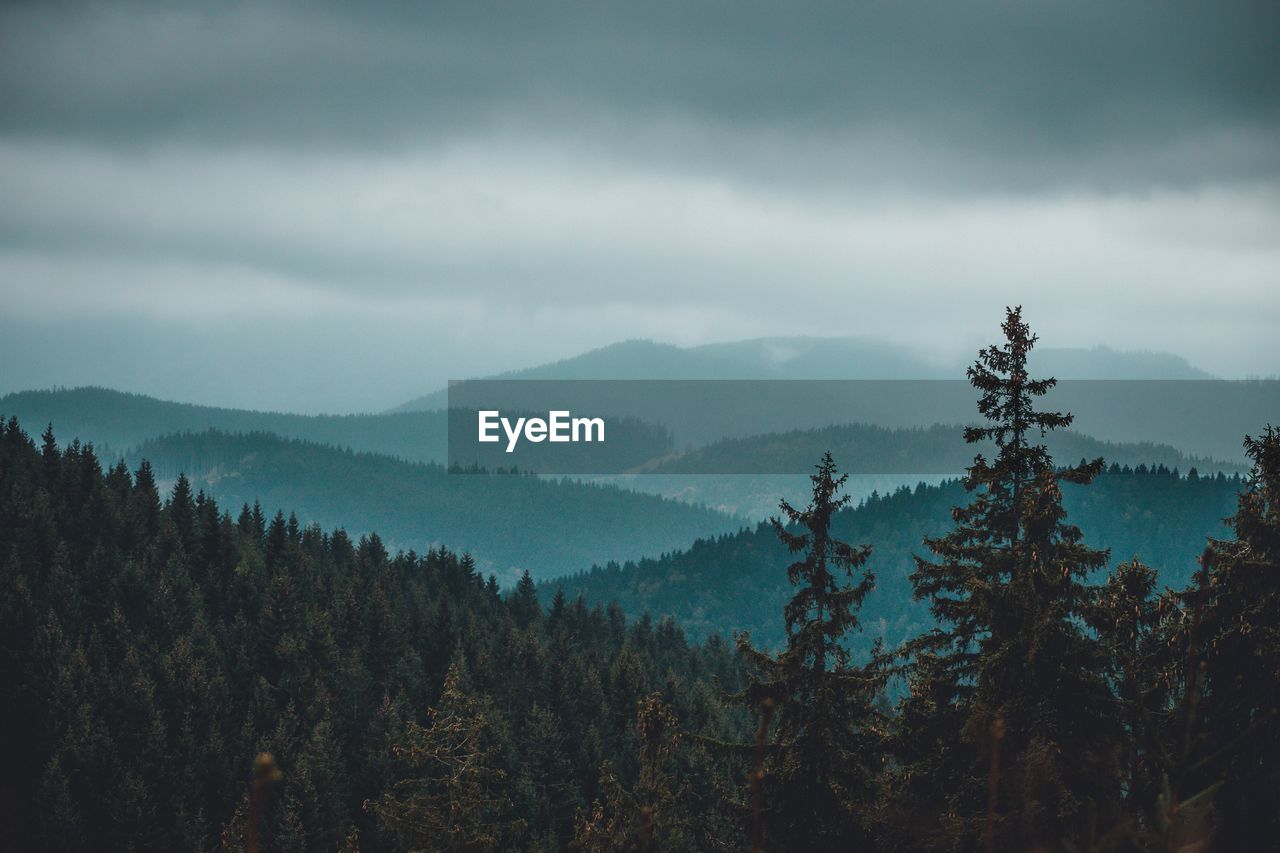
x,y
821,358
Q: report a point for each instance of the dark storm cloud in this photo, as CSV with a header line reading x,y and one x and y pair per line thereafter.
x,y
342,205
1099,93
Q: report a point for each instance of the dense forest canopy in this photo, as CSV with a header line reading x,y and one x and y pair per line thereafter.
x,y
151,649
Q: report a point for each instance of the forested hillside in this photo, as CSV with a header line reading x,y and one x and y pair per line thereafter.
x,y
731,583
509,522
150,649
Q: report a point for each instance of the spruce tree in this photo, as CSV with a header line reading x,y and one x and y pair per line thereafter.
x,y
1131,623
1237,592
1156,671
1011,662
459,797
524,601
819,766
547,783
651,815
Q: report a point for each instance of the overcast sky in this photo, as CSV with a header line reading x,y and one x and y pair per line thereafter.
x,y
311,207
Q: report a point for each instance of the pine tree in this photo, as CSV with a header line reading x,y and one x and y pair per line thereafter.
x,y
653,814
460,798
820,766
1165,757
1237,591
51,456
145,503
548,782
1132,625
524,602
1011,661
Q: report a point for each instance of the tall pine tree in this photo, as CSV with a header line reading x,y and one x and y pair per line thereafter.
x,y
819,769
1237,593
1011,663
459,799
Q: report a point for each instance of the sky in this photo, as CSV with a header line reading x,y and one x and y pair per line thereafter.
x,y
337,206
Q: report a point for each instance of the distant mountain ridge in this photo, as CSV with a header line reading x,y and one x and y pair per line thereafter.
x,y
820,358
117,422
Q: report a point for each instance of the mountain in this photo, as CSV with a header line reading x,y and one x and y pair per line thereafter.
x,y
1101,362
118,422
738,581
508,522
819,358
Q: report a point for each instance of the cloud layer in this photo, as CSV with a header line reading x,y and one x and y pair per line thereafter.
x,y
333,207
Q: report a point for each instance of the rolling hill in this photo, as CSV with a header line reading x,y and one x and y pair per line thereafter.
x,y
508,522
738,581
